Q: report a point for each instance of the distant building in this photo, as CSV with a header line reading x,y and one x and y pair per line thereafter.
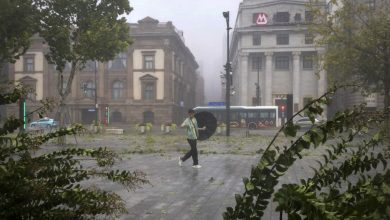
x,y
32,70
199,91
271,46
154,80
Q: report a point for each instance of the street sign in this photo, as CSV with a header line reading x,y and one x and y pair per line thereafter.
x,y
91,110
216,104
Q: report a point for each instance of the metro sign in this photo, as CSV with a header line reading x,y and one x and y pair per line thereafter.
x,y
260,18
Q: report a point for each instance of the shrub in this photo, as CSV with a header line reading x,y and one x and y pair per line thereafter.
x,y
342,187
48,185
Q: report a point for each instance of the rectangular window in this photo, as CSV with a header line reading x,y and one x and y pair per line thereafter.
x,y
256,38
306,100
282,39
309,38
282,62
309,16
256,63
297,17
177,66
149,62
282,17
149,91
307,61
29,64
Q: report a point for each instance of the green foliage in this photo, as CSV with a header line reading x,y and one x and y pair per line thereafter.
x,y
356,36
78,30
52,185
323,196
19,21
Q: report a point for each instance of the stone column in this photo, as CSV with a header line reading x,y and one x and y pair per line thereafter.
x,y
244,79
267,84
322,82
296,81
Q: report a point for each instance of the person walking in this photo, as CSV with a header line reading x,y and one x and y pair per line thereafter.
x,y
191,125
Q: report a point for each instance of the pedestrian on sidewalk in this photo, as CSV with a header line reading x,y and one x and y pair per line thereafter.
x,y
191,125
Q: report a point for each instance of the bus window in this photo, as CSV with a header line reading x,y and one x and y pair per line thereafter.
x,y
264,115
252,115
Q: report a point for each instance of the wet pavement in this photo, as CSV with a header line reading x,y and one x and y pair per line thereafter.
x,y
184,192
187,193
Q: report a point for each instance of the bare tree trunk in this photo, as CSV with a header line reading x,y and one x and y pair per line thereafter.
x,y
61,121
64,92
386,84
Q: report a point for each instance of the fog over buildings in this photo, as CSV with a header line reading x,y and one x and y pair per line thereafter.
x,y
204,29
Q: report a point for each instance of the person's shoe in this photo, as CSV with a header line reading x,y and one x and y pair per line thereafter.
x,y
180,162
196,166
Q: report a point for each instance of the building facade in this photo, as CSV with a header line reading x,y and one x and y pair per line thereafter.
x,y
274,57
154,80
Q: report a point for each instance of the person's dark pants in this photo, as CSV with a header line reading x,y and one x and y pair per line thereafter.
x,y
193,152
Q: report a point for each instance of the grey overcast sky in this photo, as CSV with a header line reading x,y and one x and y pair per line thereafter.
x,y
204,30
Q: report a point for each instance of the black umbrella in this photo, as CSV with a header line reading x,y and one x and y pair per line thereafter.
x,y
206,119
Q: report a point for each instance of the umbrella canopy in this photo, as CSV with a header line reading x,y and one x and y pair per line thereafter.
x,y
206,119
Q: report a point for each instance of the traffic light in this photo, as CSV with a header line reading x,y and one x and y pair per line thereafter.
x,y
282,108
22,112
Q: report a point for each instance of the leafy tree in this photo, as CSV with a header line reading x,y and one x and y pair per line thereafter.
x,y
49,185
350,182
357,35
78,31
19,21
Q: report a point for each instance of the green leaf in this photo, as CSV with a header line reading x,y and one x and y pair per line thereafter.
x,y
249,186
290,129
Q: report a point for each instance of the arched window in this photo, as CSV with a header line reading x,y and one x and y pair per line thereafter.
x,y
148,117
117,90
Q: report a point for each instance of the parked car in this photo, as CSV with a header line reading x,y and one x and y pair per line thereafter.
x,y
44,123
305,122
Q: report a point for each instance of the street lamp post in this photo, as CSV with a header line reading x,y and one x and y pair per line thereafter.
x,y
228,70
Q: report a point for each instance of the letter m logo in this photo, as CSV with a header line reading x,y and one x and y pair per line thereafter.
x,y
260,18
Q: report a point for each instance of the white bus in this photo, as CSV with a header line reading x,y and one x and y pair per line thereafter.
x,y
252,117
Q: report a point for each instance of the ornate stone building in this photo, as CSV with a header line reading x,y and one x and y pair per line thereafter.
x,y
271,48
154,80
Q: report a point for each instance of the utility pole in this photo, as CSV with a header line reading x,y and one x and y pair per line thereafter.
x,y
228,69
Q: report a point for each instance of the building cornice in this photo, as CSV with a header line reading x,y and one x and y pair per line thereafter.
x,y
246,5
